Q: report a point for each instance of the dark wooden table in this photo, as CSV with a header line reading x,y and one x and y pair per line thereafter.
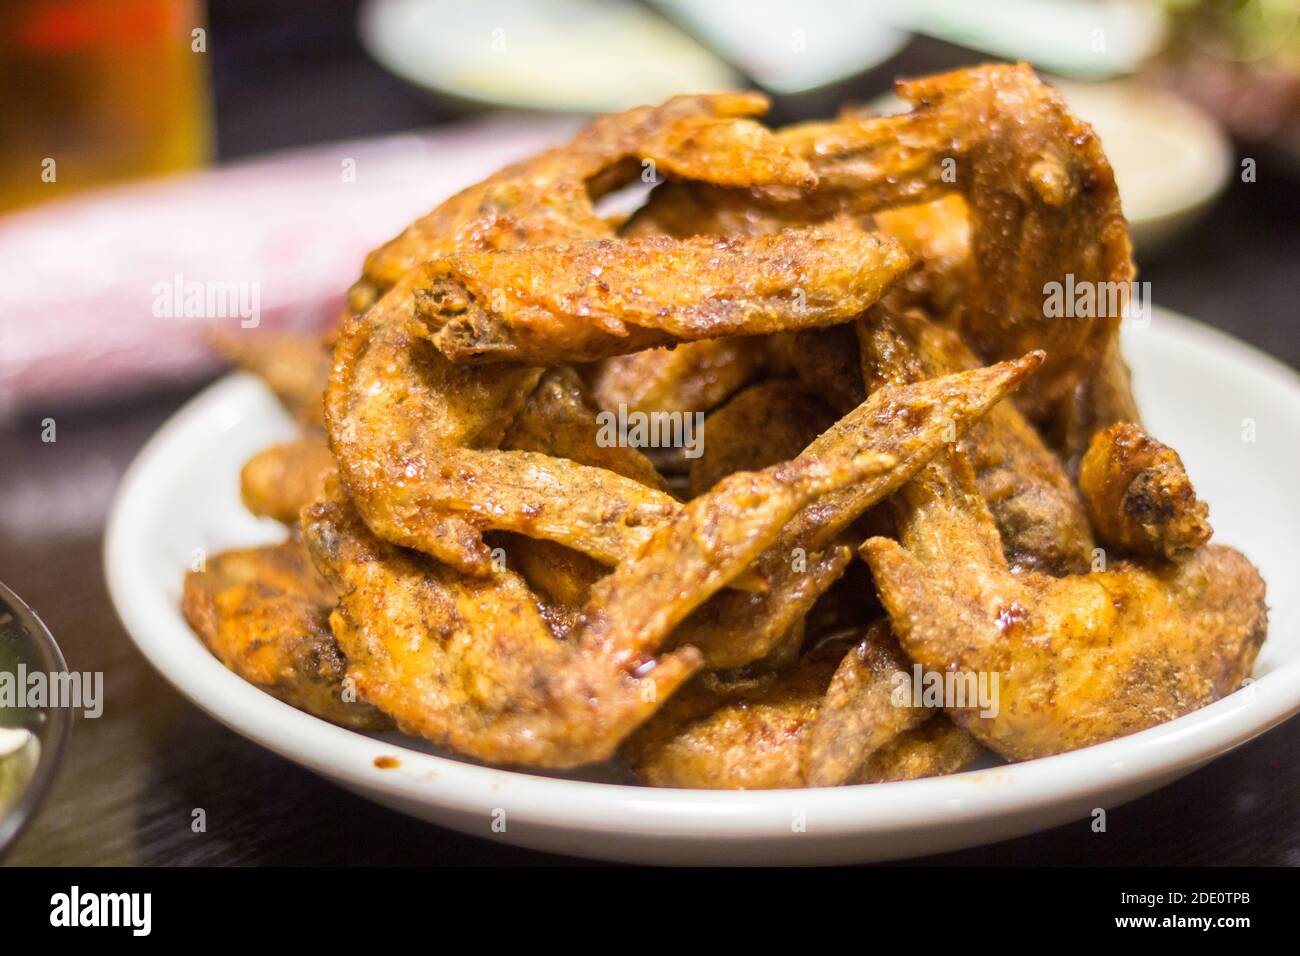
x,y
132,778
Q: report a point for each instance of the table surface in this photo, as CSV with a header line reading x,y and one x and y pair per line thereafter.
x,y
132,778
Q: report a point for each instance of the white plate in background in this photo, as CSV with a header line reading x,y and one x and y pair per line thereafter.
x,y
1200,390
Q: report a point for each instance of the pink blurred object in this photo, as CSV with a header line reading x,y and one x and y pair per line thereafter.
x,y
93,289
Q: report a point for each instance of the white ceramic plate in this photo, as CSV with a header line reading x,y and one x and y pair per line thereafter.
x,y
1200,390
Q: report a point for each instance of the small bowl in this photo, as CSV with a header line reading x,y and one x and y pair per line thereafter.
x,y
32,740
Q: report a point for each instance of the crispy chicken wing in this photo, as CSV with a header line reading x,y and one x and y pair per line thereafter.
x,y
469,661
264,613
581,301
766,423
1033,501
549,197
829,720
744,625
1079,659
1139,497
280,480
295,367
687,377
1041,196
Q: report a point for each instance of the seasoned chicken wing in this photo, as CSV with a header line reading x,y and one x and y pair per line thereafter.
x,y
576,302
549,197
1139,497
264,612
829,720
1041,196
687,377
741,626
1079,659
295,367
470,663
1033,501
279,481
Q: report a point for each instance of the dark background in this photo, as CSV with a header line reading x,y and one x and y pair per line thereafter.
x,y
292,73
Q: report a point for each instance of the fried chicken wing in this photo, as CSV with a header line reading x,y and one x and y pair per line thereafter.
x,y
279,481
1080,659
687,377
936,748
549,197
295,367
582,301
780,733
469,661
1033,501
910,425
1139,497
1041,196
264,613
766,423
560,418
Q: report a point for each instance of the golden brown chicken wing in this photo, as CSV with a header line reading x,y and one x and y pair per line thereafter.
x,y
576,302
829,720
1078,659
279,481
264,612
1033,501
549,197
1139,497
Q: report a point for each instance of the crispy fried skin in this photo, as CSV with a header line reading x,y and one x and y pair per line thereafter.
x,y
412,433
1041,196
278,482
1099,402
775,733
264,613
295,367
561,576
414,436
934,749
400,418
909,423
1037,510
560,418
826,362
746,740
548,197
582,301
1139,497
766,423
858,714
688,377
1081,659
470,663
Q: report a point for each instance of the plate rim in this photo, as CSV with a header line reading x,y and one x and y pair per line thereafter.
x,y
579,806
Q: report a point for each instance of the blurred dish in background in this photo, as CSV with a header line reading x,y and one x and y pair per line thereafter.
x,y
791,47
1170,157
1084,39
97,91
565,55
592,56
